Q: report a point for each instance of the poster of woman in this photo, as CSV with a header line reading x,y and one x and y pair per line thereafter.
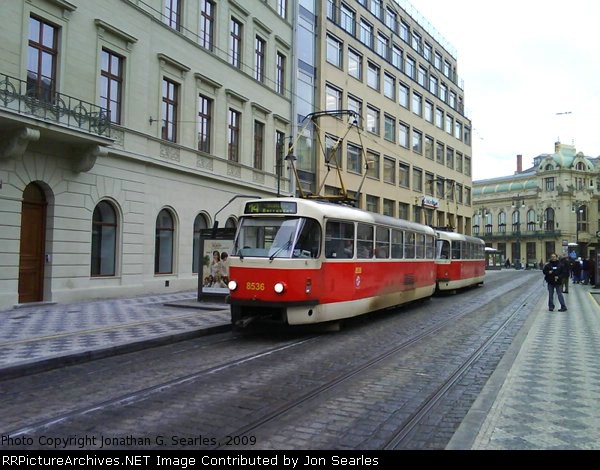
x,y
215,266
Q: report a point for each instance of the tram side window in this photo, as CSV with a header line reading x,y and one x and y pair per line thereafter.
x,y
455,250
420,237
308,244
429,247
397,244
443,249
364,243
383,242
409,244
339,241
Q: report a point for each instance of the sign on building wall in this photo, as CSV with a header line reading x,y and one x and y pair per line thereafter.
x,y
430,202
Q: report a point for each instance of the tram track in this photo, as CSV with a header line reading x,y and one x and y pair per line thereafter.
x,y
405,429
144,393
400,436
293,404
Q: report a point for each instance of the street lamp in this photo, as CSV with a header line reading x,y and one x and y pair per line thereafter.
x,y
518,203
487,220
280,159
578,219
517,200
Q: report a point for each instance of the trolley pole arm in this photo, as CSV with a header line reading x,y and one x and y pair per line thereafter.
x,y
216,224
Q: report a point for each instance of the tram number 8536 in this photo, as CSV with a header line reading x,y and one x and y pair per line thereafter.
x,y
255,286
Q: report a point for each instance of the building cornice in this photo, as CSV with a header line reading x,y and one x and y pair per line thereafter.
x,y
237,96
282,42
66,6
103,25
260,108
165,59
239,8
209,81
262,26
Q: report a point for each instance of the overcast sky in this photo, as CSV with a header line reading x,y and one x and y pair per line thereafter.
x,y
522,62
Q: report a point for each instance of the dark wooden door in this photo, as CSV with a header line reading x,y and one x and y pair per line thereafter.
x,y
31,259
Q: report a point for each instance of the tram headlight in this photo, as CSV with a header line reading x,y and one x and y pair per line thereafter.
x,y
232,285
279,287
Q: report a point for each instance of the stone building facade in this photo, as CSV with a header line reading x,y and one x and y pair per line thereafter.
x,y
125,126
551,207
128,126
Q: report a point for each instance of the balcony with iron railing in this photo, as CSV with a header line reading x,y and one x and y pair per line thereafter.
x,y
520,235
18,97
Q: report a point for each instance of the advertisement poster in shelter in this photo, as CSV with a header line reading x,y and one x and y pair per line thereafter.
x,y
215,266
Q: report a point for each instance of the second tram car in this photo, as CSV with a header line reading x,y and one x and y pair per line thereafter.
x,y
460,261
300,261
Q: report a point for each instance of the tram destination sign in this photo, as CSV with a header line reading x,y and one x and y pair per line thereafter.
x,y
270,207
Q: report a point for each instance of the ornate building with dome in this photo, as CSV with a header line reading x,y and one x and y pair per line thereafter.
x,y
551,207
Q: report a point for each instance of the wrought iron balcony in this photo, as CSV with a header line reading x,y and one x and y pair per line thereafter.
x,y
53,107
522,235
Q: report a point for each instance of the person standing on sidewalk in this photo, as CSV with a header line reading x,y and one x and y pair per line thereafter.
x,y
554,273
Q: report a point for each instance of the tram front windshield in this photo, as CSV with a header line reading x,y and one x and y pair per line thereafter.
x,y
278,237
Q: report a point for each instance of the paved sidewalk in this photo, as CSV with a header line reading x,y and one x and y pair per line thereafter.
x,y
44,336
545,393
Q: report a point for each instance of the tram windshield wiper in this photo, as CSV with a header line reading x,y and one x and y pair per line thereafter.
x,y
281,248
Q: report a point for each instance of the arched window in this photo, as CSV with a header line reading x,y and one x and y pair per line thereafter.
x,y
502,222
163,251
231,223
200,223
516,221
104,240
488,223
476,223
531,220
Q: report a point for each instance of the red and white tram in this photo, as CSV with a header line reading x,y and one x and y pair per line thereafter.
x,y
460,261
300,261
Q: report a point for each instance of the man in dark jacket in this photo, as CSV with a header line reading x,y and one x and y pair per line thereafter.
x,y
564,263
554,273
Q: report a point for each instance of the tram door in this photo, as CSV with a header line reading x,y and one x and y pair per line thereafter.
x,y
31,258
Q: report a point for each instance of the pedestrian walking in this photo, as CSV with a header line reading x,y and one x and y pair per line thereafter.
x,y
592,272
554,273
566,266
576,271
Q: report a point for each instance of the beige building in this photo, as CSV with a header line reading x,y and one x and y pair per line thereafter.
x,y
128,126
125,126
380,61
551,207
